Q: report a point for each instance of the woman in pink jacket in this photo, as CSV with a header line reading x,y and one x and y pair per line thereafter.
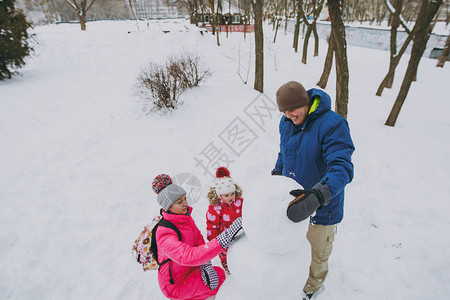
x,y
189,273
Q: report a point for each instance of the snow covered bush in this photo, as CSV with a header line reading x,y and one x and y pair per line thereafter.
x,y
162,84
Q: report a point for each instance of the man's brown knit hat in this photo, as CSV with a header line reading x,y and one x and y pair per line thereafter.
x,y
292,95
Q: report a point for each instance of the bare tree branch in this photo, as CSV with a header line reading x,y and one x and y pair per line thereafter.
x,y
392,11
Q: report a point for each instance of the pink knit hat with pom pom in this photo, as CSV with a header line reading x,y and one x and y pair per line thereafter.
x,y
224,184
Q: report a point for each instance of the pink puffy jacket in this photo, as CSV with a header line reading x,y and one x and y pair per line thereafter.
x,y
186,257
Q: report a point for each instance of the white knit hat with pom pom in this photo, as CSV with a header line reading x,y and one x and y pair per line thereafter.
x,y
224,184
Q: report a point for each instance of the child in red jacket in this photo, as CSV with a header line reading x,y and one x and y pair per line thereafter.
x,y
225,207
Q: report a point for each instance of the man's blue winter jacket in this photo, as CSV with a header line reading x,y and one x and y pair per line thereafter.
x,y
319,149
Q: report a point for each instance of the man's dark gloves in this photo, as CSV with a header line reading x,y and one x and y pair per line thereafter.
x,y
307,202
276,173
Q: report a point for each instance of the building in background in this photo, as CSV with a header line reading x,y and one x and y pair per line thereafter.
x,y
159,9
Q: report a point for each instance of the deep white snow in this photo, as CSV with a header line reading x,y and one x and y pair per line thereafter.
x,y
78,156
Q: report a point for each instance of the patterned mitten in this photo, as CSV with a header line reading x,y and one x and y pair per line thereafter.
x,y
226,237
209,275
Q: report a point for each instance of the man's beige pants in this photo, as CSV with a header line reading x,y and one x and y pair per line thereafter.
x,y
321,239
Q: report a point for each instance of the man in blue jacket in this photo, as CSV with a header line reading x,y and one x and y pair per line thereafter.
x,y
315,150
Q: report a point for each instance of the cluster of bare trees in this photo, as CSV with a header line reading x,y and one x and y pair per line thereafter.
x,y
374,11
306,13
421,15
419,35
415,17
62,10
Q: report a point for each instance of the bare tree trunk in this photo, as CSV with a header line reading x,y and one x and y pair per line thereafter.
x,y
393,47
394,57
297,29
218,23
328,62
422,29
82,18
229,22
259,45
305,44
81,10
316,39
286,15
316,13
311,27
444,54
217,36
308,30
192,9
134,14
212,19
342,74
389,78
276,29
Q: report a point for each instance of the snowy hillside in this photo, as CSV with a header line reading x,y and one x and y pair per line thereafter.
x,y
78,156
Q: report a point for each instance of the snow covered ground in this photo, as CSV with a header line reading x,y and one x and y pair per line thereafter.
x,y
78,156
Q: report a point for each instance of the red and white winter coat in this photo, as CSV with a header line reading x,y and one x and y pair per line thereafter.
x,y
186,257
220,216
